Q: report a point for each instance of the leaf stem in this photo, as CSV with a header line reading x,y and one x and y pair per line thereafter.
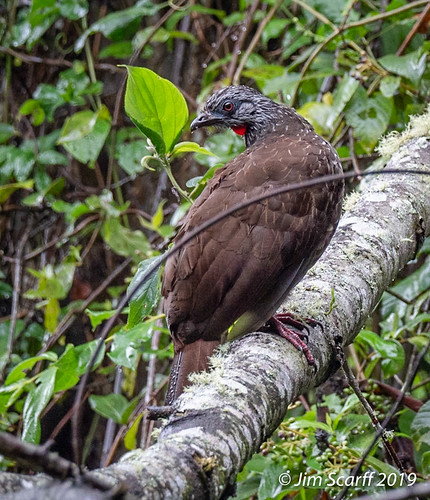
x,y
175,184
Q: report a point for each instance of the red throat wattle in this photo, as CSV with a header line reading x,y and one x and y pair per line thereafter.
x,y
240,129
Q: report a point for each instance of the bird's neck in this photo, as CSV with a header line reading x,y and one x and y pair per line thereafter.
x,y
283,120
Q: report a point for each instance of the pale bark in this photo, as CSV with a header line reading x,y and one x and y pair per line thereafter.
x,y
224,418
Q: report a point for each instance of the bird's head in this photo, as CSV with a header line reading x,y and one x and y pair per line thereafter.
x,y
241,108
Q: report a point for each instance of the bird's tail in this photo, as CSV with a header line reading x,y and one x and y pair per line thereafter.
x,y
191,358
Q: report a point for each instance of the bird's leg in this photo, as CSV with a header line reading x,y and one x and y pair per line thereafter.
x,y
284,324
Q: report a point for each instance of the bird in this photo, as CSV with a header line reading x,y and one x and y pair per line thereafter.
x,y
231,278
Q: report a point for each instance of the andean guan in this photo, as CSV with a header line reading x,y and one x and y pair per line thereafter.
x,y
239,271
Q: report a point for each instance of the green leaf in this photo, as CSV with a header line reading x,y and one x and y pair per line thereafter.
x,y
113,406
84,134
53,188
32,107
16,162
52,157
124,241
341,97
35,403
189,147
411,66
73,9
6,132
84,353
67,365
18,371
130,154
127,345
391,351
148,294
130,441
421,422
269,484
369,117
52,313
389,85
156,107
8,189
97,317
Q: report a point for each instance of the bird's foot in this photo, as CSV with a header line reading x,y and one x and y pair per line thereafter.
x,y
295,331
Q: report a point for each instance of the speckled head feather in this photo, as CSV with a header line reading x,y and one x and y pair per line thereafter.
x,y
249,113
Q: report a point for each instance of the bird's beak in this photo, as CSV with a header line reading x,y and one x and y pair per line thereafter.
x,y
204,119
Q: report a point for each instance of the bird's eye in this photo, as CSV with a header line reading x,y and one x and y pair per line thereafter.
x,y
228,106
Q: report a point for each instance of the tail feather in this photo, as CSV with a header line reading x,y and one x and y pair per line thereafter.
x,y
191,358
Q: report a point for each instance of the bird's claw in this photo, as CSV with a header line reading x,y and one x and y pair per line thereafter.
x,y
295,331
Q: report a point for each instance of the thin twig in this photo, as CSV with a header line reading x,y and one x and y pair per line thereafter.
x,y
62,237
375,422
231,74
413,31
254,41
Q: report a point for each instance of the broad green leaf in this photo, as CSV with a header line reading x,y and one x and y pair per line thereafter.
x,y
124,241
73,9
84,134
52,157
112,406
97,317
318,114
148,294
156,107
269,484
390,351
127,345
8,189
35,403
67,374
385,468
341,97
18,371
369,117
54,282
6,132
304,424
409,288
389,85
421,422
16,163
411,66
130,154
189,147
84,353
